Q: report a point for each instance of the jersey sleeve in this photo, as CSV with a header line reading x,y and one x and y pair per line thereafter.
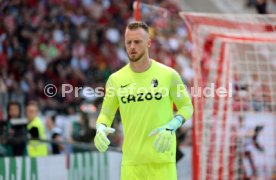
x,y
180,96
110,104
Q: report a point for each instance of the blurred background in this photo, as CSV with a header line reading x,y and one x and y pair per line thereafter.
x,y
80,42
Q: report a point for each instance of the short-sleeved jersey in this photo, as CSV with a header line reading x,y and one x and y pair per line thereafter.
x,y
145,101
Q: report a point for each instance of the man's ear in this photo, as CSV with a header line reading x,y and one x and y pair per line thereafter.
x,y
149,43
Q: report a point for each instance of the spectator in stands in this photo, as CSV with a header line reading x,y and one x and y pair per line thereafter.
x,y
76,42
13,132
240,93
47,42
57,146
261,94
271,7
261,6
54,134
5,148
256,92
81,132
246,145
14,110
252,148
3,93
36,131
17,130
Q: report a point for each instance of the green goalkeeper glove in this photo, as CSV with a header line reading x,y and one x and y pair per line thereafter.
x,y
101,141
164,134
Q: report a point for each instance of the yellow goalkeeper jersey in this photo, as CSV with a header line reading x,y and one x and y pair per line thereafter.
x,y
145,102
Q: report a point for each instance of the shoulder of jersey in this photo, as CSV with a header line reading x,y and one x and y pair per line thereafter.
x,y
121,72
163,68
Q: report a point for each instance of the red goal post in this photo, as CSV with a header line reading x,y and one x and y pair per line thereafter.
x,y
239,31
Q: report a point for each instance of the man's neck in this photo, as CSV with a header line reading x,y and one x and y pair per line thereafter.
x,y
31,120
141,65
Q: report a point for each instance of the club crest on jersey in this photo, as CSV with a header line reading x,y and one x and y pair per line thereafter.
x,y
154,82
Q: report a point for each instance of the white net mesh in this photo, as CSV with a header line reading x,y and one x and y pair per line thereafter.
x,y
234,131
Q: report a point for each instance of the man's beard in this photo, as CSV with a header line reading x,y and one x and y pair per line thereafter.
x,y
137,58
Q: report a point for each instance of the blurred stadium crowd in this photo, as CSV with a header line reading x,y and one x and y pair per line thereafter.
x,y
79,43
73,42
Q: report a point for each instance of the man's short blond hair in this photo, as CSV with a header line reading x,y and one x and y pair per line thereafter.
x,y
33,103
138,24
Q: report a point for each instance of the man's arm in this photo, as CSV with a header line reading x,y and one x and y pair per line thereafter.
x,y
105,119
110,104
181,97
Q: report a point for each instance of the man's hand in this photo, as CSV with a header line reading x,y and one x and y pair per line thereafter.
x,y
165,134
101,141
163,140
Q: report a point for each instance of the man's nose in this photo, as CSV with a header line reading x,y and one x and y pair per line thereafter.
x,y
132,46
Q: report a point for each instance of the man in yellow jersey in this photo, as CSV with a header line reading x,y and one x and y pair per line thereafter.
x,y
36,131
144,91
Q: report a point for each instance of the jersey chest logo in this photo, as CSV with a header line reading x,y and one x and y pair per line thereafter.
x,y
154,82
141,97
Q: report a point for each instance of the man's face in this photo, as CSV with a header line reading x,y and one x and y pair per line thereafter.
x,y
137,43
14,111
31,112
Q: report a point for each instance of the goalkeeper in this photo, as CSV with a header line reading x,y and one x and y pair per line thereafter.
x,y
144,91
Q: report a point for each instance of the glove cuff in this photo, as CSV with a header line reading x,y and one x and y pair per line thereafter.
x,y
100,126
175,123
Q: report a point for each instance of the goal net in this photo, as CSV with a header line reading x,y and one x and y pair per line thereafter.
x,y
234,134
